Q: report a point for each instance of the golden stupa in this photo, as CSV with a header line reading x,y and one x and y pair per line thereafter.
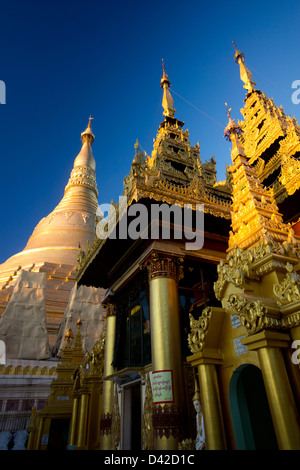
x,y
71,224
55,243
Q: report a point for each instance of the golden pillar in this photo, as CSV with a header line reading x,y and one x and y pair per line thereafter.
x,y
83,419
72,440
108,386
280,397
212,412
168,412
206,363
204,341
40,433
32,429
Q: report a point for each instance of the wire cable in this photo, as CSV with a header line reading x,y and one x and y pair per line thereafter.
x,y
209,117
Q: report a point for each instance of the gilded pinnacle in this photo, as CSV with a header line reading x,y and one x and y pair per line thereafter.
x,y
245,74
167,102
77,341
238,54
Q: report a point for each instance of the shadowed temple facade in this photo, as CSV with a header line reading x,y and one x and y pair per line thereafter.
x,y
179,323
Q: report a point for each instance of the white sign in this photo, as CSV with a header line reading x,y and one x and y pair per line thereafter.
x,y
162,386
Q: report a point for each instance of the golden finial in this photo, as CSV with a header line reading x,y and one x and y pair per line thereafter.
x,y
68,336
89,124
88,134
167,102
245,74
228,110
164,78
238,54
77,341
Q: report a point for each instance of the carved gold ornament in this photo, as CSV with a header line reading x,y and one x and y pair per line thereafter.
x,y
233,271
251,313
289,290
196,338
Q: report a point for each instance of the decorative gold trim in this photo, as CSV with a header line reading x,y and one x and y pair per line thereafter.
x,y
289,289
169,420
196,339
115,423
163,266
147,428
105,424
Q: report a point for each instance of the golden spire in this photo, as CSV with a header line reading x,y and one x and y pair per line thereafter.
x,y
87,135
167,101
245,74
56,237
255,215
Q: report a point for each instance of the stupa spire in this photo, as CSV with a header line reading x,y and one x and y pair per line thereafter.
x,y
245,74
85,156
83,173
167,101
72,222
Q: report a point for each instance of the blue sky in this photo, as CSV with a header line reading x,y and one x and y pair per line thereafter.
x,y
63,61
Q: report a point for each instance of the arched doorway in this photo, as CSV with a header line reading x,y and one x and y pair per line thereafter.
x,y
250,412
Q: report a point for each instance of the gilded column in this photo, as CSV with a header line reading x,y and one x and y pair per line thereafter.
x,y
40,433
212,412
72,440
280,397
108,385
168,412
82,419
32,429
204,343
